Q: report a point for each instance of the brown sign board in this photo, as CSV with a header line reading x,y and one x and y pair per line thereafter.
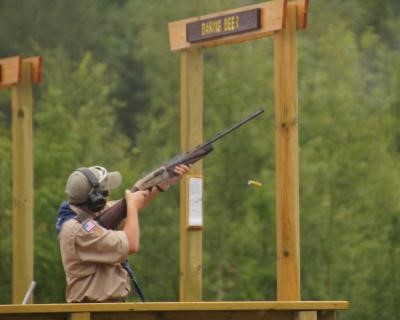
x,y
222,26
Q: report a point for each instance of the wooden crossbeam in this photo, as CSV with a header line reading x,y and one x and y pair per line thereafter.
x,y
232,310
208,306
11,68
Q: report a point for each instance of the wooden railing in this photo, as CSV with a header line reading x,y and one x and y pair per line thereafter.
x,y
243,310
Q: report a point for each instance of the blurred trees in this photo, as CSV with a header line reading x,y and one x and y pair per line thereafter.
x,y
110,96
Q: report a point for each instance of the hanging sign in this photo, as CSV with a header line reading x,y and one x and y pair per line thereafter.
x,y
218,27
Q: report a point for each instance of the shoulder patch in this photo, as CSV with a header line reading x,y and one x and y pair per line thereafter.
x,y
89,225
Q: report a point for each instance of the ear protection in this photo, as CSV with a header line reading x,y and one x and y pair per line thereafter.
x,y
96,201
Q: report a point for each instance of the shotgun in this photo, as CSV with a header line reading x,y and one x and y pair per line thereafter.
x,y
111,217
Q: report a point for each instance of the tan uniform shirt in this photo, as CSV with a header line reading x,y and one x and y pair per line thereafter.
x,y
91,257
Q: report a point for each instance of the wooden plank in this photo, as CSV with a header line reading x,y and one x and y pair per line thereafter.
x,y
10,71
190,287
36,64
241,310
166,315
22,159
174,306
271,14
286,160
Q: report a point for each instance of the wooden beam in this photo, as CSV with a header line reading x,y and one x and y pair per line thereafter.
x,y
232,310
191,136
286,160
22,157
10,71
322,306
272,18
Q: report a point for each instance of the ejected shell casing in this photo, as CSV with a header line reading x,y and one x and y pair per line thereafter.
x,y
254,183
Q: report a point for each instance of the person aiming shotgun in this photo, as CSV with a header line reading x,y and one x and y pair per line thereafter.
x,y
94,257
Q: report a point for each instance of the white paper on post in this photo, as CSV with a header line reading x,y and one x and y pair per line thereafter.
x,y
195,202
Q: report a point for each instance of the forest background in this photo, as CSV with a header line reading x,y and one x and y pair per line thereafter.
x,y
110,96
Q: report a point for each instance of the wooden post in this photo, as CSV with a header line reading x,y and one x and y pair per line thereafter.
x,y
287,169
191,135
22,157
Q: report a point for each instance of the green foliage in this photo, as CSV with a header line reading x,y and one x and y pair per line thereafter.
x,y
110,96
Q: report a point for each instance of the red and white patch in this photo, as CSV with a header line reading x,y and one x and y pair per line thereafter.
x,y
89,225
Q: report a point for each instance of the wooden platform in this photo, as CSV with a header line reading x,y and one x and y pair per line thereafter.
x,y
265,310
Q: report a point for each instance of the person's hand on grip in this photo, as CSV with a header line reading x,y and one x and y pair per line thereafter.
x,y
136,200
